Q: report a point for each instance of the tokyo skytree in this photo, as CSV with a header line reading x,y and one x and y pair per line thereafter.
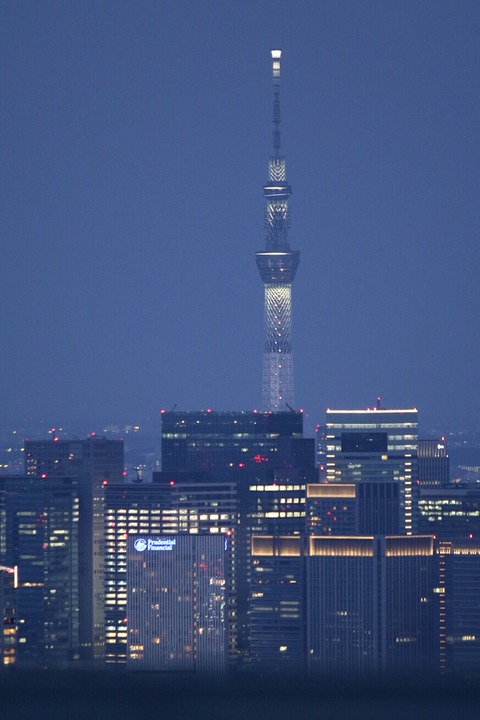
x,y
277,265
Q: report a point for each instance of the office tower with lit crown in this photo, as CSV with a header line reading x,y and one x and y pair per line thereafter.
x,y
95,462
370,605
375,452
355,605
277,265
39,535
332,509
177,603
277,604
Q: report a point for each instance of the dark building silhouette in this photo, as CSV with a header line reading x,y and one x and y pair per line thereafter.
x,y
371,605
354,606
450,513
95,462
207,440
433,463
277,607
354,508
8,616
39,535
458,592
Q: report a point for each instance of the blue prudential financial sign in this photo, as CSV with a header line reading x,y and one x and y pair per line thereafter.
x,y
156,544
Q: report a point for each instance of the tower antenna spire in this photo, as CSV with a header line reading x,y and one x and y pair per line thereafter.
x,y
276,57
277,266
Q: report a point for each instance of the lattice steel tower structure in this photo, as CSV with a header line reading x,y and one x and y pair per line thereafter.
x,y
277,265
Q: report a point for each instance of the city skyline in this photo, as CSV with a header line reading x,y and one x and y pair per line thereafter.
x,y
132,160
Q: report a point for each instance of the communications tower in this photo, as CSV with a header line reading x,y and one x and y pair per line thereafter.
x,y
277,265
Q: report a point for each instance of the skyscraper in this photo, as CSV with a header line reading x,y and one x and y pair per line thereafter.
x,y
277,265
39,535
207,440
277,615
267,458
370,604
95,462
459,619
450,513
433,463
190,504
177,603
376,451
8,611
353,605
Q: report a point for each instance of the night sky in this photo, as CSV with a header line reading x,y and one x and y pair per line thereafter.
x,y
135,139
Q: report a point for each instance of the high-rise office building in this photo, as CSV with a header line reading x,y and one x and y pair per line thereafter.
x,y
208,440
354,508
370,605
39,535
333,509
269,461
433,463
351,605
177,603
277,265
450,513
458,591
376,450
95,462
174,504
277,617
8,615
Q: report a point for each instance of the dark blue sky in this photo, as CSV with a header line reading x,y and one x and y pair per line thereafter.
x,y
134,145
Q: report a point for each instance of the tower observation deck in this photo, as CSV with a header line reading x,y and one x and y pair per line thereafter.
x,y
277,265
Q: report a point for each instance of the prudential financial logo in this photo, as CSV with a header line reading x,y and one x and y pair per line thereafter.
x,y
140,544
162,544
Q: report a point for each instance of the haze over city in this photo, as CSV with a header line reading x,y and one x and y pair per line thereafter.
x,y
228,562
135,146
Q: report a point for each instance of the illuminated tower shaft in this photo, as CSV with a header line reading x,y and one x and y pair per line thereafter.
x,y
277,265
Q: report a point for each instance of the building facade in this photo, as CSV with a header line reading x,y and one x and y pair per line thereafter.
x,y
371,605
208,440
39,520
96,462
355,606
433,463
177,603
277,605
8,616
192,504
376,450
269,462
459,613
450,513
